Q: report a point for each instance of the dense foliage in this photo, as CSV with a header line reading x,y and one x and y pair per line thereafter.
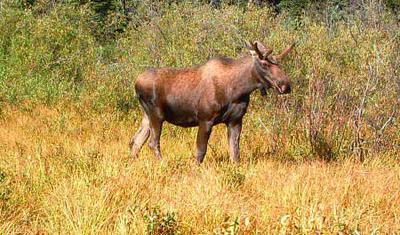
x,y
345,69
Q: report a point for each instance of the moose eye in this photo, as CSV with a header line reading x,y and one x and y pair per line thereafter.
x,y
264,63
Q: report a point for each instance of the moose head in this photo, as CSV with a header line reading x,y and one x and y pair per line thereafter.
x,y
268,68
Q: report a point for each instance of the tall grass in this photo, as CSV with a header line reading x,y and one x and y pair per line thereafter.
x,y
66,171
322,159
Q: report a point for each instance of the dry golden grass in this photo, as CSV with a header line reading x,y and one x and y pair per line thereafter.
x,y
68,171
65,166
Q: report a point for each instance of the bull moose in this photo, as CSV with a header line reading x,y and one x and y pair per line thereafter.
x,y
215,92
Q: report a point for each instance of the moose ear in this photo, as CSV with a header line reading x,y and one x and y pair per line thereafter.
x,y
258,49
262,51
251,48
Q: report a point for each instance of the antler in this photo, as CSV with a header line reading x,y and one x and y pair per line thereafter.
x,y
262,51
285,52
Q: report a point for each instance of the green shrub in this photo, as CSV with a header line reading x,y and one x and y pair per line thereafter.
x,y
344,68
45,57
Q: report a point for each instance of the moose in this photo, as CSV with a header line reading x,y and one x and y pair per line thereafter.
x,y
209,94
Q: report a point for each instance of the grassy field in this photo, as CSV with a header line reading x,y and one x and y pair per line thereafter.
x,y
67,171
322,160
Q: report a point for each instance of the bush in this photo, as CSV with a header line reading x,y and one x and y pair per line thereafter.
x,y
344,69
44,57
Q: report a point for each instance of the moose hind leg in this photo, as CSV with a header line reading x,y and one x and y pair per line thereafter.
x,y
140,137
155,133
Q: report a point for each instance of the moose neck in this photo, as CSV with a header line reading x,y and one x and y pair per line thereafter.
x,y
244,78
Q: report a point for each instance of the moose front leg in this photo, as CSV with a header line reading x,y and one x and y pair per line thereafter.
x,y
234,130
203,135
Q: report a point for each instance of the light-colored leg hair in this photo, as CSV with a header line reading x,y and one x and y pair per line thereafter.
x,y
140,137
155,133
234,130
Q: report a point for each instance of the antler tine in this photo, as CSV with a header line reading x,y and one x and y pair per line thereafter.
x,y
265,50
256,49
285,52
266,54
248,45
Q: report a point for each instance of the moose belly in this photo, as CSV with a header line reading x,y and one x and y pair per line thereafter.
x,y
180,117
185,115
186,118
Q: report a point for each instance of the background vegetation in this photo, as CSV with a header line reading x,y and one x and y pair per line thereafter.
x,y
323,159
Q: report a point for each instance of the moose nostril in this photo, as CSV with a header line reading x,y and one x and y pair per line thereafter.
x,y
286,89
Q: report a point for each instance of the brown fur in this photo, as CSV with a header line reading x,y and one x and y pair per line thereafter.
x,y
213,93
